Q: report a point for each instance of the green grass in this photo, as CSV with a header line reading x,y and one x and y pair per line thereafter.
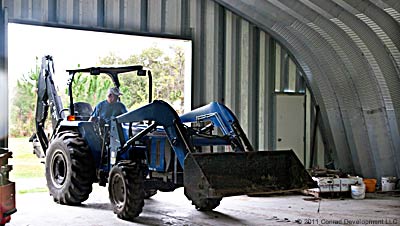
x,y
33,190
25,163
27,171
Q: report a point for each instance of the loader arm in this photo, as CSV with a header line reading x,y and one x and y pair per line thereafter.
x,y
47,97
222,117
162,114
210,176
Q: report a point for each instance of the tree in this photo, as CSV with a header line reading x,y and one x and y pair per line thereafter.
x,y
23,102
168,76
88,88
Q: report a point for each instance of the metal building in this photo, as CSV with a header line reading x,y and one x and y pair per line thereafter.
x,y
321,77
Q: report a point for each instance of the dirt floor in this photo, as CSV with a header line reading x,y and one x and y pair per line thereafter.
x,y
172,208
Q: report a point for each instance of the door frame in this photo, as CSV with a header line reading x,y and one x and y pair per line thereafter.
x,y
274,134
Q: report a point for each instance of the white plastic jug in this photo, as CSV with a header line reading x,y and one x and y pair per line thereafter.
x,y
388,183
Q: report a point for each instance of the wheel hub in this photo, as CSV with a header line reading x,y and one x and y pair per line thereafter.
x,y
58,169
118,191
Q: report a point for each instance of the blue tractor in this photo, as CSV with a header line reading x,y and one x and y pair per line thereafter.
x,y
153,149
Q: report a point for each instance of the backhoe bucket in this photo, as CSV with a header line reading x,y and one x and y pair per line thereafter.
x,y
217,175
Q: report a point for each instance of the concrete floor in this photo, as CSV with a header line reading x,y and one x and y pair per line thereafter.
x,y
172,208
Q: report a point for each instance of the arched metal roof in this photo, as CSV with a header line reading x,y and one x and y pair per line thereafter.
x,y
349,53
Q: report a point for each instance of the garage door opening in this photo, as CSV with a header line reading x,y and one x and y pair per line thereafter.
x,y
168,59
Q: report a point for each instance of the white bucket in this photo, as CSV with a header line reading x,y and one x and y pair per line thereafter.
x,y
358,191
388,183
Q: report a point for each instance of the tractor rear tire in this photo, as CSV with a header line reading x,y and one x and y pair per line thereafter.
x,y
148,193
207,204
126,190
70,170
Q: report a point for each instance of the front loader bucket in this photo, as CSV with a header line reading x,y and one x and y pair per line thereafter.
x,y
217,175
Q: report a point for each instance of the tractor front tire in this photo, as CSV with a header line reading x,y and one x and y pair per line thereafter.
x,y
206,204
126,190
148,193
70,170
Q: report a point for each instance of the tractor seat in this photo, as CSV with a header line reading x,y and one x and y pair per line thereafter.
x,y
83,110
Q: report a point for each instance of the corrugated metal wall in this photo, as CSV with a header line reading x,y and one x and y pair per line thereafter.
x,y
3,78
347,51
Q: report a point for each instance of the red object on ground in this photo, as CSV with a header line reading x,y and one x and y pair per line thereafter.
x,y
7,202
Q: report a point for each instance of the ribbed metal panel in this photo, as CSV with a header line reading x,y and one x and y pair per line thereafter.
x,y
387,78
393,4
394,14
230,58
66,12
394,51
329,96
367,46
155,16
348,99
3,77
240,65
86,14
330,102
344,89
382,24
131,15
357,73
324,94
265,87
288,80
372,121
213,39
173,17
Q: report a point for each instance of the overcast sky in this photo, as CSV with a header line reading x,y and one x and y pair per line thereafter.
x,y
71,47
